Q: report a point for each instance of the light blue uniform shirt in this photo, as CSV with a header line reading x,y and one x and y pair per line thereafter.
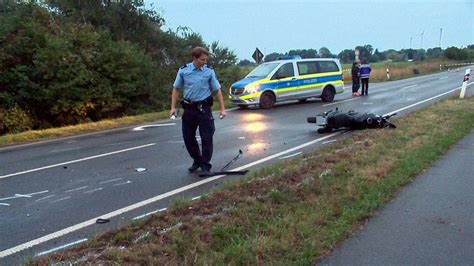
x,y
196,82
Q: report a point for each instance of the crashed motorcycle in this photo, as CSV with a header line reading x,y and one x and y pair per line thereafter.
x,y
335,120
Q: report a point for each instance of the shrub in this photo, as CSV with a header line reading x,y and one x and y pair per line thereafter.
x,y
14,120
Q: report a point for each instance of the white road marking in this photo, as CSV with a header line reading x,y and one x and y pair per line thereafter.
x,y
443,78
25,195
61,247
4,204
124,183
92,191
109,215
141,128
195,198
367,103
61,199
22,196
76,189
411,86
111,180
47,197
76,161
328,104
241,137
329,141
291,155
148,214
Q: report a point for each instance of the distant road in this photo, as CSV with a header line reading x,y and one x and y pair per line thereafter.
x,y
51,193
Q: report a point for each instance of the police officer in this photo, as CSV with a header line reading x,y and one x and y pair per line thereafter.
x,y
197,81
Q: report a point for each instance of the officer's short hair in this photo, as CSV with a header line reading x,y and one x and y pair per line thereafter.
x,y
198,51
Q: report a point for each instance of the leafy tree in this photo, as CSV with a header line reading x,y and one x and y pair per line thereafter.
x,y
365,51
435,52
455,53
346,56
304,53
271,57
325,53
246,62
221,57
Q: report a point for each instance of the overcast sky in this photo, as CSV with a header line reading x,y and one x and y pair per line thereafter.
x,y
283,25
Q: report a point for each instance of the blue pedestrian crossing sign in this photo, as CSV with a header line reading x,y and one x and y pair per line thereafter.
x,y
257,55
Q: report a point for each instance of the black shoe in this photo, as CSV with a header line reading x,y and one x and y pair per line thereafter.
x,y
193,168
205,173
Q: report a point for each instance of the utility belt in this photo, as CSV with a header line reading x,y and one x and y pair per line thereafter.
x,y
198,105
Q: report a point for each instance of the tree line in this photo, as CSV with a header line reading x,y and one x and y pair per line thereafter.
x,y
374,55
64,62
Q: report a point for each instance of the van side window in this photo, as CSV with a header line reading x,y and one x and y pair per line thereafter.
x,y
307,68
328,66
285,71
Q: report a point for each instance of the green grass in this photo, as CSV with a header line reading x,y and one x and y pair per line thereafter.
x,y
293,212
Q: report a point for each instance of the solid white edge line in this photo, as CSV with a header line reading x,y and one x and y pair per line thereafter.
x,y
291,155
61,247
109,215
76,161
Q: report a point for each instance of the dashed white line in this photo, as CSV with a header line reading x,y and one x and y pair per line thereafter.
x,y
61,247
4,204
291,155
411,86
121,184
443,78
47,197
92,191
111,180
76,161
76,189
61,199
195,198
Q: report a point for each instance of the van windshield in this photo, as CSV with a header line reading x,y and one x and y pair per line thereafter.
x,y
262,70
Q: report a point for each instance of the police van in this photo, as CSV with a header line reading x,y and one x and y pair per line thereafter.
x,y
289,78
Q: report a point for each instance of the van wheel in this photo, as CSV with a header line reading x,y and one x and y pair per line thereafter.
x,y
328,94
243,106
267,100
302,100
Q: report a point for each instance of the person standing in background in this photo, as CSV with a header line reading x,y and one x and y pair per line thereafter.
x,y
364,77
355,78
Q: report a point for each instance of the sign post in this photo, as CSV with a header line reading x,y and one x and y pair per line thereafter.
x,y
257,55
464,83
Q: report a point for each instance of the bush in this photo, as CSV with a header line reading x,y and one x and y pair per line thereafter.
x,y
14,120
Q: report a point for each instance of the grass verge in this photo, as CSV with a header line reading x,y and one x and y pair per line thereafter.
x,y
293,212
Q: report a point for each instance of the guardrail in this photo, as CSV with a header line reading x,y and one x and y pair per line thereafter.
x,y
450,65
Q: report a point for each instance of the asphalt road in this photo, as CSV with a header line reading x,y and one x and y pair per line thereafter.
x,y
52,192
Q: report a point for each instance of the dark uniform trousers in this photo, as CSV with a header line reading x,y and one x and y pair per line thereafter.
x,y
191,120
